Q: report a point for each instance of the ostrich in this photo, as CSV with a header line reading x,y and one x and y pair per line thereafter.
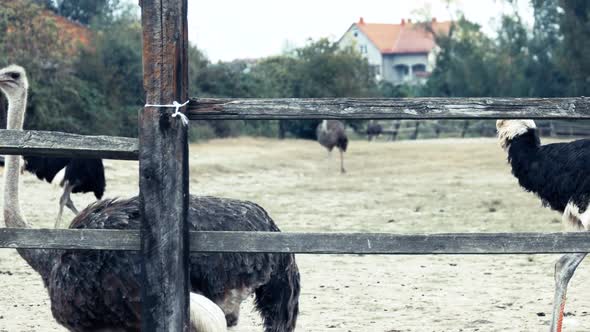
x,y
100,290
557,173
331,133
373,130
79,176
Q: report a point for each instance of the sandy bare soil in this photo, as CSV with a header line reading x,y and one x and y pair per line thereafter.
x,y
405,187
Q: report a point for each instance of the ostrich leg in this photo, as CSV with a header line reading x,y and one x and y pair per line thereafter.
x,y
65,200
342,170
564,270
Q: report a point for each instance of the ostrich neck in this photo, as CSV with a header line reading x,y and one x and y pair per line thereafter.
x,y
12,214
40,260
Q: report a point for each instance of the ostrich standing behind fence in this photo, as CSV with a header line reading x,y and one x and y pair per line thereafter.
x,y
79,176
373,130
559,175
330,134
100,290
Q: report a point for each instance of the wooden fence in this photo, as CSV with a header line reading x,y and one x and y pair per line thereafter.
x,y
162,151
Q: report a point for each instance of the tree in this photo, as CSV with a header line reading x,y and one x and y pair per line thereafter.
x,y
466,65
318,70
575,29
57,100
85,11
113,67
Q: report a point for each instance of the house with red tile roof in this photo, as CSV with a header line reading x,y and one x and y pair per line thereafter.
x,y
399,53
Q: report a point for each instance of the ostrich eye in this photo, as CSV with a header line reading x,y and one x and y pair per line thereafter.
x,y
14,76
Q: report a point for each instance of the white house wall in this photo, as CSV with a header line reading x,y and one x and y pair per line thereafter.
x,y
372,54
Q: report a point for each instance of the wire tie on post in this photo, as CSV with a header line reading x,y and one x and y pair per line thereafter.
x,y
177,112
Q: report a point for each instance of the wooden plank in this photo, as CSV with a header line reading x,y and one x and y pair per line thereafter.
x,y
310,243
163,164
391,244
95,239
390,108
58,144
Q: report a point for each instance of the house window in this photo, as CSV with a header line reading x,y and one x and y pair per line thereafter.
x,y
419,69
401,71
364,49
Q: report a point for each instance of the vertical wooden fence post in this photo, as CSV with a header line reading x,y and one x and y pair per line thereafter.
x,y
163,163
416,130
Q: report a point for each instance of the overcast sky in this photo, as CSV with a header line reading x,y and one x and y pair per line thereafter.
x,y
230,29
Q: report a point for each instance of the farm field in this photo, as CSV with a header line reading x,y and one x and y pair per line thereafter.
x,y
428,186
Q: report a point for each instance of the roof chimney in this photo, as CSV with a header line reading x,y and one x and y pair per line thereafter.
x,y
361,21
434,20
403,21
409,20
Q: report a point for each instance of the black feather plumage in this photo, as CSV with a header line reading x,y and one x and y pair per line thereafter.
x,y
100,290
558,173
45,168
86,175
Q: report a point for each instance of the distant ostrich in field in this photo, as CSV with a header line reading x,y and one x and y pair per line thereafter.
x,y
100,290
79,176
559,174
373,130
331,133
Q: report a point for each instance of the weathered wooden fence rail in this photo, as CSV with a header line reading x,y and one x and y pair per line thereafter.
x,y
390,108
57,144
31,142
309,243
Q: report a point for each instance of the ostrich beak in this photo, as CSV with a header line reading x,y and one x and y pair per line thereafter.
x,y
4,80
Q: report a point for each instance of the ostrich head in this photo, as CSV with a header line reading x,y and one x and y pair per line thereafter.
x,y
509,129
13,82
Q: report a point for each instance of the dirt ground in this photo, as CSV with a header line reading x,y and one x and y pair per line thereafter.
x,y
431,186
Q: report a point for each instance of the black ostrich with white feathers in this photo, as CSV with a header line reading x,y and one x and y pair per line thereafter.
x,y
80,176
559,174
100,290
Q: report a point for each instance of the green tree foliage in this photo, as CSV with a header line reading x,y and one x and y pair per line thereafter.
x,y
327,71
57,99
97,90
317,70
47,4
546,78
82,11
548,61
113,67
575,29
224,79
466,65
